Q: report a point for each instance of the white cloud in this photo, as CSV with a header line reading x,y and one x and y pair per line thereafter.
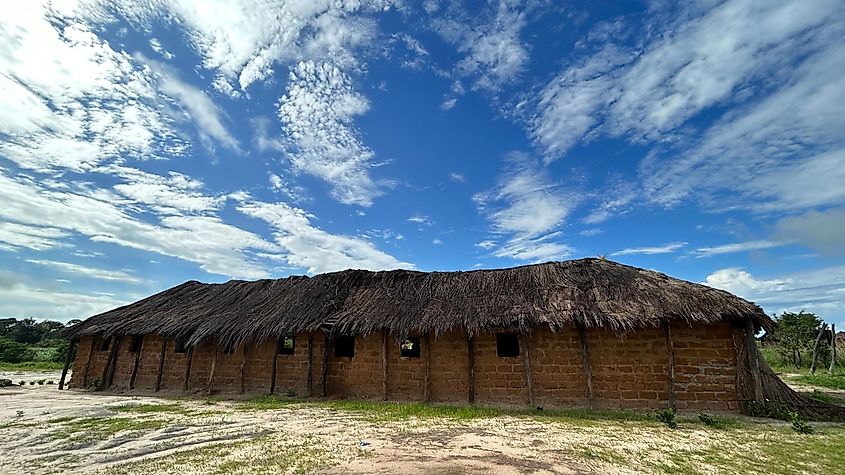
x,y
98,215
494,53
304,245
487,244
317,114
16,235
171,195
821,230
528,207
591,232
420,219
23,301
649,250
821,291
90,272
448,104
777,64
69,101
436,241
457,177
739,247
199,108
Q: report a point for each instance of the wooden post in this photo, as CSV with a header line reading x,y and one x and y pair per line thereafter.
x,y
161,356
88,362
326,345
753,361
309,380
832,348
135,363
526,366
70,346
243,370
384,365
816,348
213,369
588,374
471,370
108,371
670,347
279,343
427,350
187,381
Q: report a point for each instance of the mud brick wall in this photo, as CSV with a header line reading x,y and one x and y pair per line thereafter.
x,y
705,367
405,375
359,376
557,367
292,370
629,371
449,367
498,380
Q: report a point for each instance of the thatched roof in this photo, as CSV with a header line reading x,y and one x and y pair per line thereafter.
x,y
589,292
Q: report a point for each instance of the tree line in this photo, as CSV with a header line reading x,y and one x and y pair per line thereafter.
x,y
31,340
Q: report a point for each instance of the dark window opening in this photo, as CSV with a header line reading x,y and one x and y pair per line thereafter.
x,y
180,347
104,344
410,347
286,345
137,341
344,346
230,348
507,345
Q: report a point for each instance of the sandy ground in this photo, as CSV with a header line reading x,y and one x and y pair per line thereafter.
x,y
43,430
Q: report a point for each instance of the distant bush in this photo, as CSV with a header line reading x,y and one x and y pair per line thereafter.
x,y
4,383
667,416
14,352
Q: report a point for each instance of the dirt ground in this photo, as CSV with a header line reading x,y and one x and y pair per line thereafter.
x,y
43,430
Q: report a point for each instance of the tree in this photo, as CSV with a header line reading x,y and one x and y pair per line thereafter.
x,y
14,352
796,332
61,351
25,331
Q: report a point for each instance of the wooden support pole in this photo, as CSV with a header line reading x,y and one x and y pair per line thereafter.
x,y
524,341
822,331
832,348
670,348
160,371
70,347
108,371
753,361
279,343
326,346
384,365
243,369
90,357
310,377
471,370
588,374
427,350
188,363
135,362
213,369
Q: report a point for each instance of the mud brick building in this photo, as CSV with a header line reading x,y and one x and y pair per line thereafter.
x,y
587,333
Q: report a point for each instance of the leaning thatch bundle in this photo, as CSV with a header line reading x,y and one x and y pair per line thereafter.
x,y
588,292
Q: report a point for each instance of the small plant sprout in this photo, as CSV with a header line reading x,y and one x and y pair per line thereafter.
x,y
667,416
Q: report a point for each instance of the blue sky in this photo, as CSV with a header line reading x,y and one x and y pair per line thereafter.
x,y
143,144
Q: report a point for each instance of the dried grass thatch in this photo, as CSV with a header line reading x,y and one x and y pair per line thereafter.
x,y
589,292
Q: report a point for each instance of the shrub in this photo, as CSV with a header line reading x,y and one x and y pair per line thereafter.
x,y
41,382
799,425
32,383
21,382
667,416
14,352
4,383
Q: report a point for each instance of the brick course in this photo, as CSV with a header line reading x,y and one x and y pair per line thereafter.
x,y
628,371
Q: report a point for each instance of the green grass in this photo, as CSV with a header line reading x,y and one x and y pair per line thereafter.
x,y
822,379
31,366
269,454
375,411
100,428
153,409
